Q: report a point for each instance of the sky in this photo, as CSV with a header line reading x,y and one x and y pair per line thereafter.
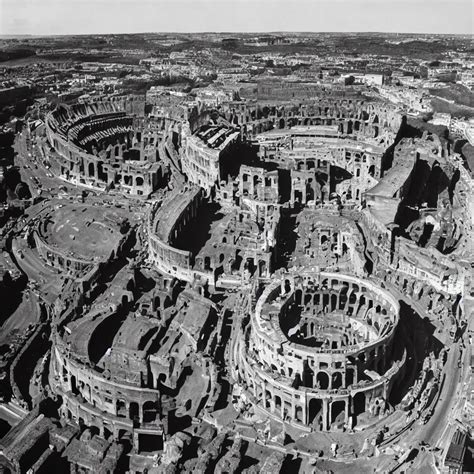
x,y
59,17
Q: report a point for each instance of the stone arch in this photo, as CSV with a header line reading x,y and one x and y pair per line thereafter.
x,y
322,380
268,397
124,299
359,403
315,408
336,381
298,413
277,402
308,375
350,376
337,408
298,296
150,411
120,408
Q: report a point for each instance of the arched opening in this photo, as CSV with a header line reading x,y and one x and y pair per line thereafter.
x,y
322,380
298,296
298,413
338,411
121,409
91,170
277,402
268,397
349,377
74,385
359,403
308,376
315,410
133,411
336,380
139,181
150,412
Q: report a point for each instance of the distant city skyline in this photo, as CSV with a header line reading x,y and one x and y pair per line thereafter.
x,y
60,17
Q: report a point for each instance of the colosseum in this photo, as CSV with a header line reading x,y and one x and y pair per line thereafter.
x,y
109,144
270,277
319,351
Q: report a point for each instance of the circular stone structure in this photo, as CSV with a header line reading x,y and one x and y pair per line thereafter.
x,y
318,352
75,237
108,144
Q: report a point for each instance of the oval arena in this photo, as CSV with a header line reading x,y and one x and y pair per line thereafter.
x,y
108,145
319,351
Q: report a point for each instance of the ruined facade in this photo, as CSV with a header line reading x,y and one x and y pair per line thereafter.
x,y
240,282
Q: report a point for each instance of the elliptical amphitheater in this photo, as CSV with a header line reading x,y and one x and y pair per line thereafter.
x,y
318,352
255,283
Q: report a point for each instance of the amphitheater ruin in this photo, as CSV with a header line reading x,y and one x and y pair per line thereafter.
x,y
245,270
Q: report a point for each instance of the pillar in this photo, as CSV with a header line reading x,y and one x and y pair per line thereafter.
x,y
326,413
346,410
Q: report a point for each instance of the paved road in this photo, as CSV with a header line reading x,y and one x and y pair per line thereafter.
x,y
452,389
434,432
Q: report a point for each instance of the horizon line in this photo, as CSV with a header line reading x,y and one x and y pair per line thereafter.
x,y
49,35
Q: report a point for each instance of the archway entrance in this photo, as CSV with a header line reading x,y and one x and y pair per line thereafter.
x,y
315,410
322,380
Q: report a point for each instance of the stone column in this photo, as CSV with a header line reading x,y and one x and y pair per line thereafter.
x,y
346,410
326,414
